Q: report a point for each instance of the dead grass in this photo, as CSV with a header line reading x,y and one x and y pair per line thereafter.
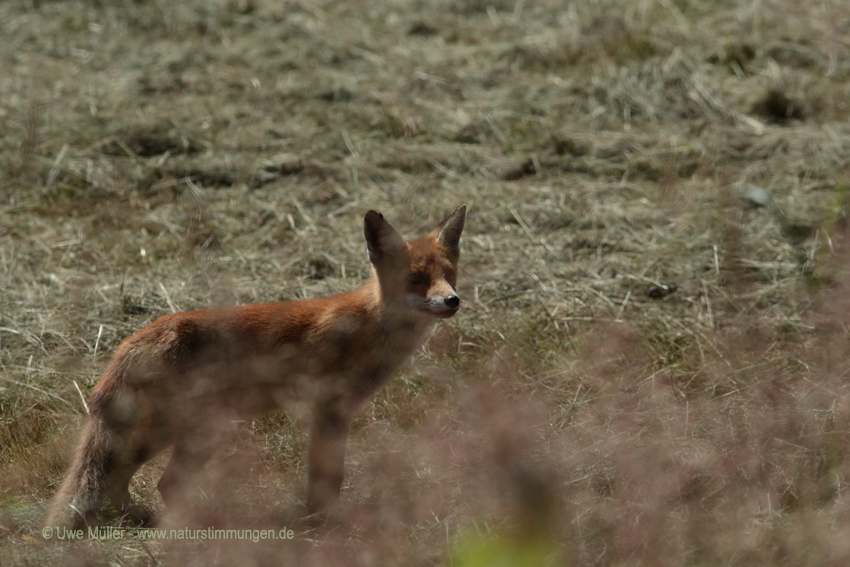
x,y
646,371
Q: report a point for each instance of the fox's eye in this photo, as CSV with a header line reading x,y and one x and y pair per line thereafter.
x,y
416,278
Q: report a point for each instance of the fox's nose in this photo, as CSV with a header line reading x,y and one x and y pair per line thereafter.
x,y
452,301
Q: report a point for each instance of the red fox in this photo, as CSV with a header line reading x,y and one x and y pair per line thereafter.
x,y
182,380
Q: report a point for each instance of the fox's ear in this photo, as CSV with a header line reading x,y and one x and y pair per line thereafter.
x,y
382,239
448,231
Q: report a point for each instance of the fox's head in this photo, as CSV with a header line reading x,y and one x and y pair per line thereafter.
x,y
421,273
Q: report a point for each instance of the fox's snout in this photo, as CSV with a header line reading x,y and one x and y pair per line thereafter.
x,y
441,306
446,306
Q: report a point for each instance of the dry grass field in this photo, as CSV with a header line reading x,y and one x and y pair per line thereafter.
x,y
651,365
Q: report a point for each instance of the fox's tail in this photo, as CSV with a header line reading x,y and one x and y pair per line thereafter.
x,y
83,488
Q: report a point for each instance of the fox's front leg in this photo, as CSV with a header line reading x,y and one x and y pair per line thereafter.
x,y
326,455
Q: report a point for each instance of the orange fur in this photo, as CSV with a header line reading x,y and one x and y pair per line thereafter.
x,y
183,379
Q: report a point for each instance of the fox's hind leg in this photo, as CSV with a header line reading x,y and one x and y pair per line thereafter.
x,y
191,452
117,484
